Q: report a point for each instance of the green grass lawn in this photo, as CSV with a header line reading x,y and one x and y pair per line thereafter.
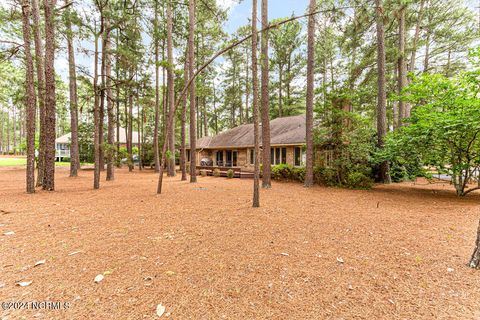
x,y
14,162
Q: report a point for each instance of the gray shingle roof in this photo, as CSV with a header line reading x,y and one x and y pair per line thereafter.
x,y
283,131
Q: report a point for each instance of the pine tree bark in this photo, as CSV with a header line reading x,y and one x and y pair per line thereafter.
x,y
247,87
402,67
193,111
475,259
382,95
183,152
102,92
50,99
171,91
266,169
256,175
110,105
131,164
280,93
31,99
72,78
156,156
96,118
39,60
310,95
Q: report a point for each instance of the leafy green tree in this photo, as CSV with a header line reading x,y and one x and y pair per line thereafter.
x,y
444,128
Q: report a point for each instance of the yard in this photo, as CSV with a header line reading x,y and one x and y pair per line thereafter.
x,y
395,252
13,161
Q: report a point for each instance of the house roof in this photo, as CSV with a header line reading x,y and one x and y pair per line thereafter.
x,y
123,137
283,131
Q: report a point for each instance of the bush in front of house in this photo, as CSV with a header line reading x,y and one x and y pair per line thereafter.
x,y
216,172
203,173
230,174
287,172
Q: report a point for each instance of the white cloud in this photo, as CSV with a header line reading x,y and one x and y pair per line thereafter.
x,y
227,4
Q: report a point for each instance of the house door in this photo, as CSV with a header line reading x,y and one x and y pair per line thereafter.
x,y
220,158
228,162
231,158
234,158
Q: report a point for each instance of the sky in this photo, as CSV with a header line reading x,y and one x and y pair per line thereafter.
x,y
240,12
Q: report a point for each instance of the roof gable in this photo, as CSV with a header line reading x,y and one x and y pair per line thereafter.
x,y
287,130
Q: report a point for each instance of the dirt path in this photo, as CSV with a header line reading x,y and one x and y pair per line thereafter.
x,y
204,253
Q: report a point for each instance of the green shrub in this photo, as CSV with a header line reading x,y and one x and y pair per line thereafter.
x,y
325,176
282,172
230,174
216,172
286,172
66,159
358,180
203,173
298,174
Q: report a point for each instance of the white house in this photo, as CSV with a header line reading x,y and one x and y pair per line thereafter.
x,y
62,143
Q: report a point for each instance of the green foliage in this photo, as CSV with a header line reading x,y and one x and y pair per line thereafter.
x,y
85,142
287,172
349,139
230,174
443,131
358,180
216,172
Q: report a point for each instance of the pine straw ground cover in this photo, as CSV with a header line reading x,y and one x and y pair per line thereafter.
x,y
203,252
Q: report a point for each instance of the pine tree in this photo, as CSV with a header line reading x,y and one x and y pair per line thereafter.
x,y
310,95
50,99
31,98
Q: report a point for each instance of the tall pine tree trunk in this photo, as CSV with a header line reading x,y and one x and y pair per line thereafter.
x,y
50,99
39,60
96,117
110,106
402,67
191,65
130,127
31,99
171,92
266,174
382,95
156,156
475,259
102,93
310,95
247,87
256,175
280,93
72,78
183,153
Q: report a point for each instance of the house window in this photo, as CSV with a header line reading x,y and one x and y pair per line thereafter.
x,y
298,156
219,158
328,158
278,155
252,156
188,155
234,158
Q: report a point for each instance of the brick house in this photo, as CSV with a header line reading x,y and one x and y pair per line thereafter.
x,y
234,148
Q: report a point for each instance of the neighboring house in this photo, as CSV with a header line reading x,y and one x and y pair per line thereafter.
x,y
62,144
235,147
